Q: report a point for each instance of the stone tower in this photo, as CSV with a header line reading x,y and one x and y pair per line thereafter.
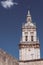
x,y
29,47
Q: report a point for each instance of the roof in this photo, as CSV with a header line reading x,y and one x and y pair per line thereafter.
x,y
4,55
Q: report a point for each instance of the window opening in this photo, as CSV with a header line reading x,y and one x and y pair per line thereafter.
x,y
26,38
31,38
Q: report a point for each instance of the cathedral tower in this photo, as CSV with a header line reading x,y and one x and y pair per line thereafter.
x,y
29,47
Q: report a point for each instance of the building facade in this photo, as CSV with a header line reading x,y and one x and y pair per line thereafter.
x,y
29,47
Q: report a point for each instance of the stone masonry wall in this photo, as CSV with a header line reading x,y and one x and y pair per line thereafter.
x,y
6,59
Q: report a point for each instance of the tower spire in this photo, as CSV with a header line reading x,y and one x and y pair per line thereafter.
x,y
29,17
28,13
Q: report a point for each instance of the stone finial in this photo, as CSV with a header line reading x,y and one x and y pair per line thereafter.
x,y
28,13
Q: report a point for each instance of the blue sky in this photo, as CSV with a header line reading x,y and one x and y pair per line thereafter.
x,y
11,20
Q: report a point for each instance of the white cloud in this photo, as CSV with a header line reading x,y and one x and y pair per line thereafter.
x,y
8,3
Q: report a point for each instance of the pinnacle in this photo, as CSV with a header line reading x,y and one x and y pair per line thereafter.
x,y
28,13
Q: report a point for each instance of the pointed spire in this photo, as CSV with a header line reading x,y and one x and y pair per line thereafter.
x,y
28,13
29,17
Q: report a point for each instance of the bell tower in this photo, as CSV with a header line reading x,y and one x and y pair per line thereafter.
x,y
29,47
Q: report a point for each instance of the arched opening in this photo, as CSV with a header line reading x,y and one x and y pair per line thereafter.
x,y
31,38
26,38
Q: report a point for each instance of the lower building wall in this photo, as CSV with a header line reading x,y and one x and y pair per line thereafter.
x,y
6,59
32,62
